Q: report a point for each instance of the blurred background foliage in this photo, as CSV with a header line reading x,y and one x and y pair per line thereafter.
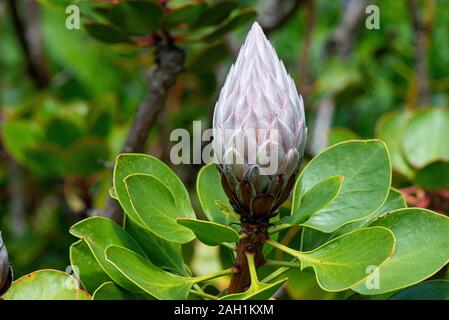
x,y
68,99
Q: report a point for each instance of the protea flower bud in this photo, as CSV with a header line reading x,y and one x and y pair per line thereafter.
x,y
5,268
258,115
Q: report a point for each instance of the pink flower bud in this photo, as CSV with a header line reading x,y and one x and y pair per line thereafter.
x,y
259,129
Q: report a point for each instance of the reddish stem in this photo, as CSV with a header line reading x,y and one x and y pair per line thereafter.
x,y
256,233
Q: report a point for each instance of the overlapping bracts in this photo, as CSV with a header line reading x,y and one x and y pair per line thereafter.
x,y
259,129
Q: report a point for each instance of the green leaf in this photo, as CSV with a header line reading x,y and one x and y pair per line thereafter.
x,y
62,132
366,169
137,17
312,239
100,122
425,137
102,13
86,156
106,33
112,193
110,291
63,46
215,14
302,285
433,176
86,266
315,199
244,17
208,59
46,285
395,200
210,191
338,78
389,128
345,261
128,164
17,137
151,279
227,257
210,233
262,291
164,254
422,248
337,135
429,290
187,14
46,159
155,205
99,233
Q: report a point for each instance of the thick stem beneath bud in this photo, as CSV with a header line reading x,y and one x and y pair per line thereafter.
x,y
256,233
